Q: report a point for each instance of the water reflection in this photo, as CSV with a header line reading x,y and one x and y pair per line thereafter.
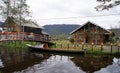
x,y
114,68
19,61
92,63
55,64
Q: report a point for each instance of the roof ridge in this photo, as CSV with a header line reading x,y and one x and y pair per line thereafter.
x,y
93,24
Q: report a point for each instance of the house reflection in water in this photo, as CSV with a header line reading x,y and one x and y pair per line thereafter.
x,y
91,64
19,60
23,61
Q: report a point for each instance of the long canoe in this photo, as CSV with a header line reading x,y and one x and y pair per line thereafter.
x,y
42,49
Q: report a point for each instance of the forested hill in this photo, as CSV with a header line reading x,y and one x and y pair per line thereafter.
x,y
60,29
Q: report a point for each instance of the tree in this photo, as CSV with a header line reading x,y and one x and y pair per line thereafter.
x,y
107,4
17,9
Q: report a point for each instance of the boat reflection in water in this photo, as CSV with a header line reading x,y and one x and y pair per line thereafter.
x,y
31,62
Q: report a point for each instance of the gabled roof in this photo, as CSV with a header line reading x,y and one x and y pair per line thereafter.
x,y
32,24
25,23
86,24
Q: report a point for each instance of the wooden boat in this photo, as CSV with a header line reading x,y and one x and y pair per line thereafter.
x,y
42,48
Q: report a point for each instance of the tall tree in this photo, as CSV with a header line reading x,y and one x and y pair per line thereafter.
x,y
14,8
107,4
17,9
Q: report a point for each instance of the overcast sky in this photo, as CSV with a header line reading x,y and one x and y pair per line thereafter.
x,y
72,12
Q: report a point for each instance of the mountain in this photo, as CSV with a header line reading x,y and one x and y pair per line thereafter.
x,y
60,29
116,31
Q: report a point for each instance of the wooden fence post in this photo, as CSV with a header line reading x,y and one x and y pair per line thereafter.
x,y
68,46
61,45
92,46
55,45
101,47
82,45
74,46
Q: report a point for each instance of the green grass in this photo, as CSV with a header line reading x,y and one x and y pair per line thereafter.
x,y
15,44
61,44
91,49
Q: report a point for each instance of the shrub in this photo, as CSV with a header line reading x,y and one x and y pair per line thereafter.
x,y
71,40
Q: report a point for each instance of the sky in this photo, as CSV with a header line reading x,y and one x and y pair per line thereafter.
x,y
72,12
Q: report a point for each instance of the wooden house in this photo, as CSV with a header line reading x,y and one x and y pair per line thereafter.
x,y
92,34
27,27
13,25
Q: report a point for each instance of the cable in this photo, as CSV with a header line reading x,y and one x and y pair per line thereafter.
x,y
81,17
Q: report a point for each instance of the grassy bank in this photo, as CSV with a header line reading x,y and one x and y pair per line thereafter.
x,y
66,45
90,49
15,44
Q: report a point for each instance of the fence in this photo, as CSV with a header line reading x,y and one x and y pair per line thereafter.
x,y
23,36
90,48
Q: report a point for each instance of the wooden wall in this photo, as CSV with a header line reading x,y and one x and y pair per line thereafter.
x,y
91,34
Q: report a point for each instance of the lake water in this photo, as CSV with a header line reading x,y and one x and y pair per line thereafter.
x,y
24,61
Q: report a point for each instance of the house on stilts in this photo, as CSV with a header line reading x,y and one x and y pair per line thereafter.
x,y
27,30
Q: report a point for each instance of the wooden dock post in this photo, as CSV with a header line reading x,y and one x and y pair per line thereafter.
x,y
118,50
68,46
111,48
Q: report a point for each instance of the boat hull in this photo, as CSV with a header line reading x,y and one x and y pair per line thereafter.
x,y
32,48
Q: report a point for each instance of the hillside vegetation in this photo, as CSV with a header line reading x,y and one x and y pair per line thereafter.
x,y
60,30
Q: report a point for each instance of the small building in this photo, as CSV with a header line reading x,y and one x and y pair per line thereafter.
x,y
92,34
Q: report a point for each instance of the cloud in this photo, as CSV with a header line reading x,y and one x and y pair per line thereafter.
x,y
46,9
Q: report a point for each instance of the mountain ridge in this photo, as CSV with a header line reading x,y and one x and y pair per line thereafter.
x,y
60,29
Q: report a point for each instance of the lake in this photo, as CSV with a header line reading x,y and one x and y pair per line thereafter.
x,y
25,61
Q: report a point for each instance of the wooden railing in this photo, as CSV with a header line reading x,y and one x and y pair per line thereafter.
x,y
23,36
110,49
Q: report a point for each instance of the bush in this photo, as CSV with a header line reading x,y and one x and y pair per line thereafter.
x,y
71,40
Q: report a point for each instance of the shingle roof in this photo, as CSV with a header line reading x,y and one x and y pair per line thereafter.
x,y
32,24
26,23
